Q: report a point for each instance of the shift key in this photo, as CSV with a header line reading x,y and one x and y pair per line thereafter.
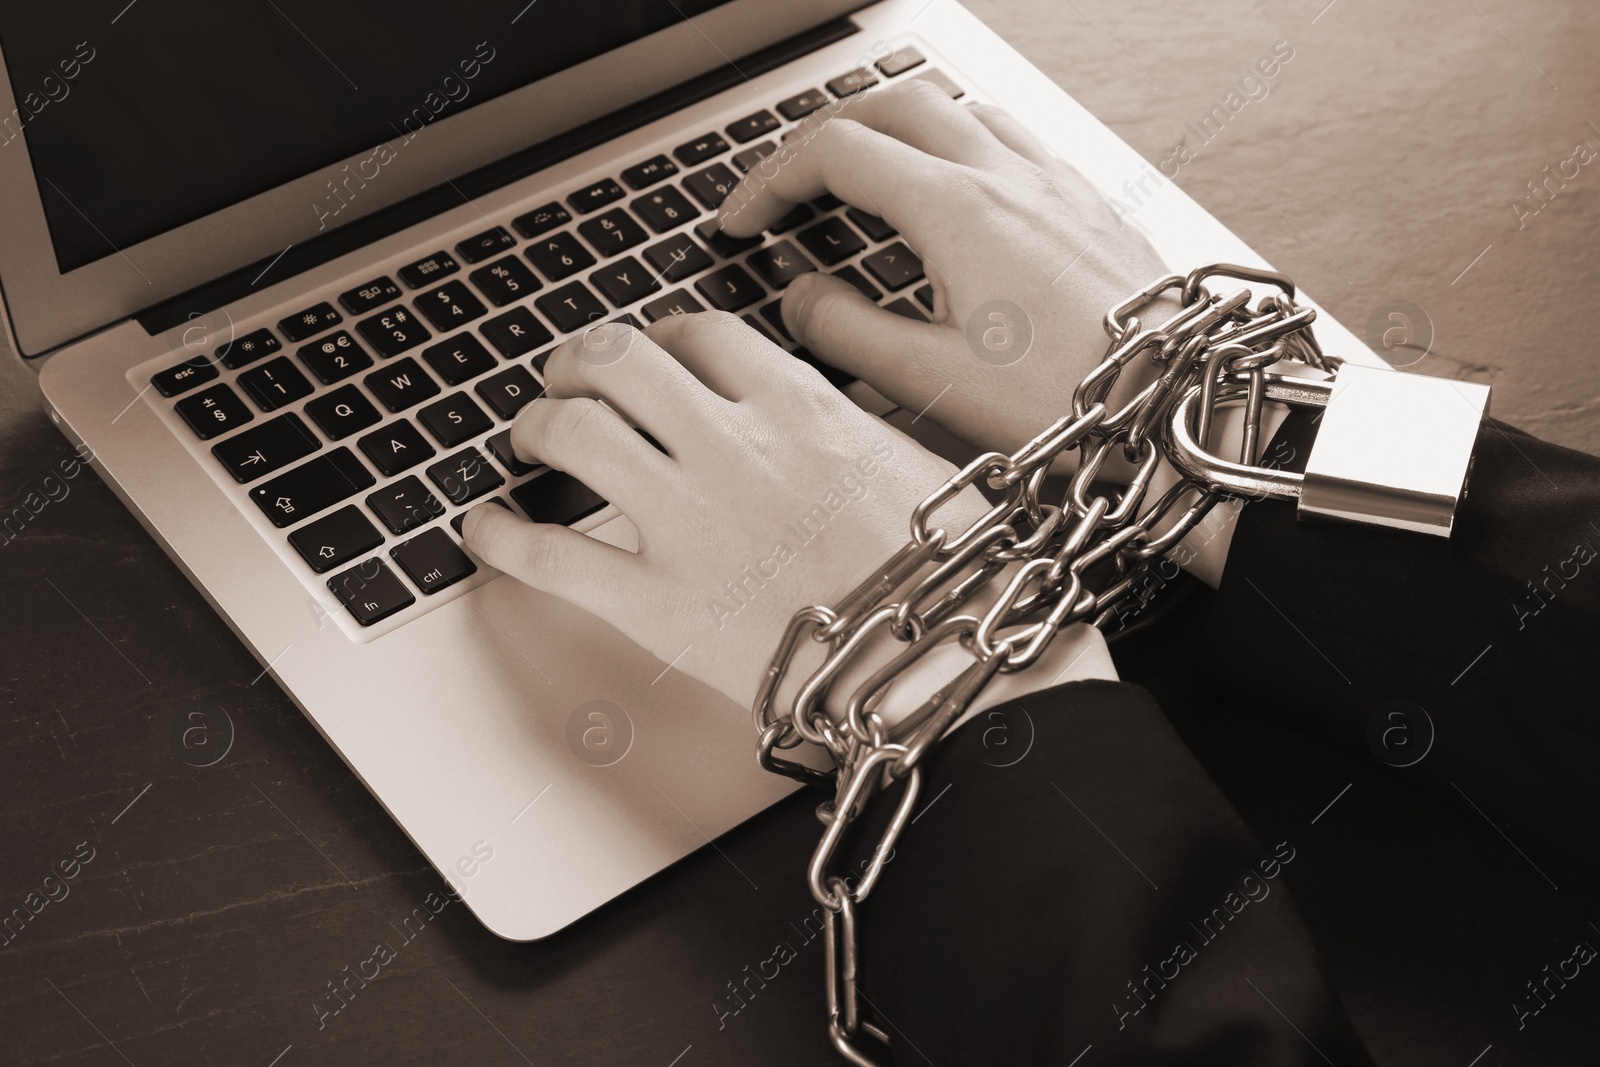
x,y
311,487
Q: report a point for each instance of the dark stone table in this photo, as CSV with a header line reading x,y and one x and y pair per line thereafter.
x,y
223,903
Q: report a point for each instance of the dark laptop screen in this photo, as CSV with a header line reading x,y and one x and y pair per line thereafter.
x,y
143,116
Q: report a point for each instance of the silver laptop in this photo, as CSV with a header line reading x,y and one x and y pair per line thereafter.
x,y
288,271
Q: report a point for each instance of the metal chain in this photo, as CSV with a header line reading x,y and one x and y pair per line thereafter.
x,y
1055,564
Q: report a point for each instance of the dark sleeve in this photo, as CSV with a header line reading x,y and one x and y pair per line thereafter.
x,y
1073,878
1495,635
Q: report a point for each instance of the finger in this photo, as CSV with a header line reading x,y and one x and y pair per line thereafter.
x,y
891,353
1014,135
922,115
633,374
864,168
595,576
722,351
592,443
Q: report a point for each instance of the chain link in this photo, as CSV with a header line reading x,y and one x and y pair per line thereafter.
x,y
1078,559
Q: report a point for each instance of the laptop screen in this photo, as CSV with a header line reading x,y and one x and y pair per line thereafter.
x,y
140,117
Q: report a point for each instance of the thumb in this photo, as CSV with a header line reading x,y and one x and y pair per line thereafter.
x,y
841,327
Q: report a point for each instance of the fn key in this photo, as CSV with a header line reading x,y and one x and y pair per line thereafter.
x,y
433,561
370,591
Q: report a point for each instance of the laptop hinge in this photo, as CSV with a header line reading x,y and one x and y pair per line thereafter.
x,y
302,257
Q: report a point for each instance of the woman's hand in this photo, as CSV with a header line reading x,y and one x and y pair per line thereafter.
x,y
774,492
1024,256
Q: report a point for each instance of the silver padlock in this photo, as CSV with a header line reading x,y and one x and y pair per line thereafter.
x,y
1392,449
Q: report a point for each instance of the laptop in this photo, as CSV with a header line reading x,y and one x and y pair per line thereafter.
x,y
287,271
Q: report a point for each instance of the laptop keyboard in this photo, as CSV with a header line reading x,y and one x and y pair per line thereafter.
x,y
361,421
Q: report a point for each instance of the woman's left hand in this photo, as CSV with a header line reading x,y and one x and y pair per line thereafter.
x,y
774,491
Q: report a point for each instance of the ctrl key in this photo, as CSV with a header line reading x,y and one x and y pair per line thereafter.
x,y
370,591
433,561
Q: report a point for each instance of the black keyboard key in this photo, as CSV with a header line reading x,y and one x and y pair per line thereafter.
x,y
943,81
260,450
274,384
465,476
517,332
500,445
700,149
750,127
481,246
831,241
342,412
376,293
907,309
313,486
571,307
773,313
712,185
798,215
827,202
459,359
559,256
454,419
759,327
678,302
859,280
722,243
371,592
509,391
334,358
677,258
557,497
449,306
779,264
895,267
852,83
428,270
542,220
433,561
603,192
612,232
904,58
457,520
835,377
312,320
335,539
871,225
213,412
402,384
625,281
746,160
185,376
242,351
924,295
396,447
730,288
798,107
505,281
664,209
392,332
405,505
646,174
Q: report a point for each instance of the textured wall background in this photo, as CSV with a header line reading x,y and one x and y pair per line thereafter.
x,y
1393,144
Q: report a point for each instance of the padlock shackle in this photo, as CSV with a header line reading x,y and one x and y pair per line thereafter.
x,y
1238,479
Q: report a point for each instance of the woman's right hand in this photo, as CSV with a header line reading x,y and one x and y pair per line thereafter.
x,y
1024,257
